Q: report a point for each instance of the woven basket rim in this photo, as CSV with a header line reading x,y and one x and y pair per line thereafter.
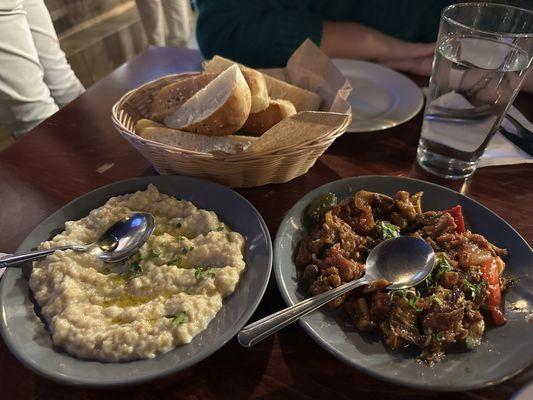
x,y
238,156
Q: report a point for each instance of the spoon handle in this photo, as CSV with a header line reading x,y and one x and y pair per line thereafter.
x,y
259,330
17,259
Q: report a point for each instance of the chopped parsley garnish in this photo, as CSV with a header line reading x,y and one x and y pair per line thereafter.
x,y
443,266
411,296
135,269
440,336
387,230
180,237
475,289
435,299
141,257
155,253
470,343
198,272
426,284
178,319
220,228
176,261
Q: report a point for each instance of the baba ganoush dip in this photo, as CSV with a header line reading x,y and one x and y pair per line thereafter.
x,y
158,299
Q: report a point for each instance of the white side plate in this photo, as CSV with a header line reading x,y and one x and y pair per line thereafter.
x,y
381,97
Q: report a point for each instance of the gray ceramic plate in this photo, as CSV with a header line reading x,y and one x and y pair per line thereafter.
x,y
505,350
27,339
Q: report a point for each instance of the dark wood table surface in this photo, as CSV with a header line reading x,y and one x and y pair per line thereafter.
x,y
77,150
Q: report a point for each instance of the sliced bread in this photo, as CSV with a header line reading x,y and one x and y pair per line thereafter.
x,y
220,108
230,144
255,80
303,100
260,122
172,96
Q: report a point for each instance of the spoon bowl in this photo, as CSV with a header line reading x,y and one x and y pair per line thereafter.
x,y
125,237
404,261
396,263
120,241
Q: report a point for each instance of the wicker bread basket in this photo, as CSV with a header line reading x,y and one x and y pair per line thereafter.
x,y
236,170
283,162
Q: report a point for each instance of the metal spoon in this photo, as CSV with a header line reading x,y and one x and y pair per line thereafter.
x,y
404,261
120,241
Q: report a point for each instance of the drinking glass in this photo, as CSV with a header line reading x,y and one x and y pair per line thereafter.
x,y
483,53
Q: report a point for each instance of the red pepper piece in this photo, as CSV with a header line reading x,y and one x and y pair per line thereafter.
x,y
497,315
457,215
492,276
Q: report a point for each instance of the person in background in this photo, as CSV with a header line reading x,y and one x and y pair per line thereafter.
x,y
177,16
264,33
35,77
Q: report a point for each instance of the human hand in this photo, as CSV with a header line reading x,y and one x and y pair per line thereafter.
x,y
417,66
338,41
415,58
396,49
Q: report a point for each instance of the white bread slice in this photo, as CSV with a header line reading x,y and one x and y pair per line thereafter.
x,y
230,144
220,108
303,100
260,122
172,96
255,80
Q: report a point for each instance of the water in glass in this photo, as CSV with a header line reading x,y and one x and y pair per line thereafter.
x,y
473,82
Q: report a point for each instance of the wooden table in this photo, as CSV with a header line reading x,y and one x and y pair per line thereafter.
x,y
77,150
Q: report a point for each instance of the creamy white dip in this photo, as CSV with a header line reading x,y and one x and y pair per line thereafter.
x,y
158,299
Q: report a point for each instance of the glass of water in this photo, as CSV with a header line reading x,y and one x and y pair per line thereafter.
x,y
484,51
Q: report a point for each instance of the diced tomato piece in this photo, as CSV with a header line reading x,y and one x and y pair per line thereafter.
x,y
497,315
492,276
457,215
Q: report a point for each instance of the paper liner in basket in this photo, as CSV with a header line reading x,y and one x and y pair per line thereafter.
x,y
308,68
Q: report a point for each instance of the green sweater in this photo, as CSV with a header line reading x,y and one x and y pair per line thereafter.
x,y
264,33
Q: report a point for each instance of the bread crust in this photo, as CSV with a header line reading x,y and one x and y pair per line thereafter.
x,y
258,89
260,122
228,118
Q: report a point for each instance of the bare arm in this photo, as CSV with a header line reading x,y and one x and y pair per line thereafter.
x,y
353,40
